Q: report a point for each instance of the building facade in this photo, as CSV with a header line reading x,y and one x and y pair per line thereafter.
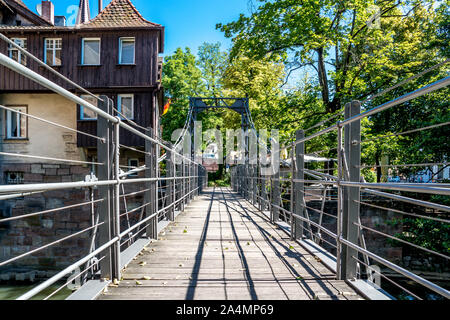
x,y
115,54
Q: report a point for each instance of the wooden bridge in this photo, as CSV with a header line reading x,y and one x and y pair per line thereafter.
x,y
221,247
262,239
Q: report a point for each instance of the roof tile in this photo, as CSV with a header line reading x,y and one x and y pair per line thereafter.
x,y
119,13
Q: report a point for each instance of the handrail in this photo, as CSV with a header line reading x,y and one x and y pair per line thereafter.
x,y
264,192
163,195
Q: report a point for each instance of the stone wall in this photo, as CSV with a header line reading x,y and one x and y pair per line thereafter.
x,y
370,217
20,236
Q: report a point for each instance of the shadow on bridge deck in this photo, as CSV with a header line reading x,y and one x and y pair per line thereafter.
x,y
222,248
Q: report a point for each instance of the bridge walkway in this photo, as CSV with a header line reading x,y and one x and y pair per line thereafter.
x,y
221,247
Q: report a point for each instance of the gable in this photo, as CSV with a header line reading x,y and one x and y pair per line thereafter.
x,y
119,14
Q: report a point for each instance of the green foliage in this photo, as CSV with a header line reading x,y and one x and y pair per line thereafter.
x,y
343,57
429,234
369,175
219,179
260,81
441,199
181,79
212,63
349,54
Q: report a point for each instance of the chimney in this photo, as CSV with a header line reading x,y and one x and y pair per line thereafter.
x,y
48,11
100,6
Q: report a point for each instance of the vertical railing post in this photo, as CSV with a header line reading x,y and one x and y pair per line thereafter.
x,y
292,198
169,183
116,217
200,178
258,186
150,197
248,169
244,181
197,173
191,184
177,183
236,178
196,185
249,181
299,186
235,169
188,181
232,178
263,192
255,184
174,165
242,184
106,156
183,184
239,178
186,199
276,195
193,180
189,197
340,205
351,195
270,197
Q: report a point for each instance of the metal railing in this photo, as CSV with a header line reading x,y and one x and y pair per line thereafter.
x,y
324,204
167,182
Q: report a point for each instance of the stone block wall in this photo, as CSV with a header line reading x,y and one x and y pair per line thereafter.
x,y
20,236
370,217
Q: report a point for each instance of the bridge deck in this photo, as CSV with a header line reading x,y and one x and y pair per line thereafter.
x,y
222,248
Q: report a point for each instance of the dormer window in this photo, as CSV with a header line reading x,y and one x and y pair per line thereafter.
x,y
15,53
52,51
90,52
126,50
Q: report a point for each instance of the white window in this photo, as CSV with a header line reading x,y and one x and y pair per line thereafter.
x,y
16,123
90,52
126,50
133,164
15,53
52,51
125,104
85,113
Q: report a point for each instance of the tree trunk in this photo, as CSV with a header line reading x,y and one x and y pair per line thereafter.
x,y
379,173
323,79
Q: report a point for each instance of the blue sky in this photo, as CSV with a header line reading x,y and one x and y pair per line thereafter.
x,y
188,23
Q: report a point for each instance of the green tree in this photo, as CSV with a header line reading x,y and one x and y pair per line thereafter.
x,y
181,79
260,81
341,41
212,62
